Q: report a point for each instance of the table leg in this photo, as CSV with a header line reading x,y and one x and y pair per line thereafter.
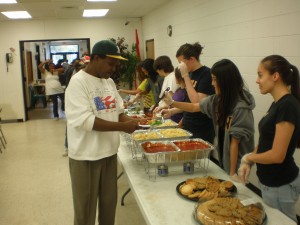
x,y
120,175
124,195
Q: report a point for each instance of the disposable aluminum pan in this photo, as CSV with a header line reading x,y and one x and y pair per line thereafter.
x,y
192,149
145,135
159,151
160,134
170,124
174,133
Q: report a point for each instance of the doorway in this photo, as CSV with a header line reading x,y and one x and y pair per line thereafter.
x,y
33,52
150,49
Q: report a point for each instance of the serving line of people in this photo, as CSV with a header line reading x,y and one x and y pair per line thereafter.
x,y
279,129
217,103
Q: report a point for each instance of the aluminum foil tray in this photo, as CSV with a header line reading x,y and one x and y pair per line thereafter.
x,y
160,134
175,133
167,124
177,155
145,135
158,151
192,149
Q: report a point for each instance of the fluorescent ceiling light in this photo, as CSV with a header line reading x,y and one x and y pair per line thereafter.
x,y
94,12
101,0
17,14
7,1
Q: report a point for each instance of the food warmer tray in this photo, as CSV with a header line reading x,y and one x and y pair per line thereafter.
x,y
173,125
194,150
149,135
159,134
178,155
160,156
171,131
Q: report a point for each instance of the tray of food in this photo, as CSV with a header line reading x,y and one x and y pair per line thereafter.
x,y
194,148
229,211
174,133
145,135
157,123
158,151
205,188
160,134
193,144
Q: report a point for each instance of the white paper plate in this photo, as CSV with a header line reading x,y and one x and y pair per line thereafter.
x,y
144,126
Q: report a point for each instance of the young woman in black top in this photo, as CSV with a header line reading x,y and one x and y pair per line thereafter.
x,y
198,83
279,132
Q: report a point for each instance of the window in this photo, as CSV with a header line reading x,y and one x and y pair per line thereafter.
x,y
65,52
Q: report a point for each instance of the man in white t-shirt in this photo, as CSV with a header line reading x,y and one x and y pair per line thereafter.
x,y
95,117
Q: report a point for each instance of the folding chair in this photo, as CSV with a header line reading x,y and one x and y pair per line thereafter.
x,y
34,96
2,137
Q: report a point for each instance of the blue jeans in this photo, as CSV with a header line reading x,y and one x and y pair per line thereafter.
x,y
55,103
283,198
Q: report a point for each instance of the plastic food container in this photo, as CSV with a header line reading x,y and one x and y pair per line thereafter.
x,y
229,211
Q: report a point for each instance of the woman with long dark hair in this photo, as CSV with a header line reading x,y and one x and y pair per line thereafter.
x,y
279,136
155,82
231,111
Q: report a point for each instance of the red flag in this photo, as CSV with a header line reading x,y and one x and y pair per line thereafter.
x,y
137,45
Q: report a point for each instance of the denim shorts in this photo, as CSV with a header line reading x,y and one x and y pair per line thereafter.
x,y
283,198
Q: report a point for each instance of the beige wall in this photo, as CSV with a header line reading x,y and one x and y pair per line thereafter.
x,y
243,31
11,92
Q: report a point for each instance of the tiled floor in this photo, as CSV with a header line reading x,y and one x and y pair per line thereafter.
x,y
39,112
34,178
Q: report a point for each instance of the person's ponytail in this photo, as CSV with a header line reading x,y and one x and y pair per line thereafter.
x,y
295,84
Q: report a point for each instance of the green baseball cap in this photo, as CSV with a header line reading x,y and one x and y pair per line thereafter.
x,y
107,48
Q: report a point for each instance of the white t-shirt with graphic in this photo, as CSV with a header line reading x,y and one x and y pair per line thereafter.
x,y
88,97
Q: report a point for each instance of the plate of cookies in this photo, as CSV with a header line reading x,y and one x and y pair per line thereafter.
x,y
229,211
205,188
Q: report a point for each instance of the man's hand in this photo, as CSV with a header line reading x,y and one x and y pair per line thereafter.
x,y
130,126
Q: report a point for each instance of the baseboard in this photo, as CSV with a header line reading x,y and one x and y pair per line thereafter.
x,y
12,121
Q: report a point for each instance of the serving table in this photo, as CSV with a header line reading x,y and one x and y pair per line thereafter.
x,y
161,204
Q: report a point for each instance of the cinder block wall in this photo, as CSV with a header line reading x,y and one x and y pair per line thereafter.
x,y
243,31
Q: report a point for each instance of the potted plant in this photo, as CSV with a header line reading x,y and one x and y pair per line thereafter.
x,y
126,72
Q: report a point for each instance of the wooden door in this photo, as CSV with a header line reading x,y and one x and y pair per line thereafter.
x,y
150,49
29,67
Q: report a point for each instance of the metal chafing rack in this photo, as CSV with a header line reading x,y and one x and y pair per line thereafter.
x,y
171,137
140,136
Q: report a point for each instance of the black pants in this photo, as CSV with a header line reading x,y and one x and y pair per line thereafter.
x,y
55,103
